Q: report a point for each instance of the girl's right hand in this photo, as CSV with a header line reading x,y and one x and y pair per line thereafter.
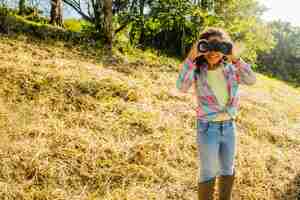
x,y
194,53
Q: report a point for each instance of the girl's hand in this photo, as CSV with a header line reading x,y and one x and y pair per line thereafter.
x,y
194,53
236,52
233,58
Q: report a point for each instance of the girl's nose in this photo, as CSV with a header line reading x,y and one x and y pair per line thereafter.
x,y
214,52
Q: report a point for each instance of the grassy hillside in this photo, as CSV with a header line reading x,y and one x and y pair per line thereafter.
x,y
74,127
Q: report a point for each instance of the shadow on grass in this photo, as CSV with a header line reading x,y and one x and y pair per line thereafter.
x,y
291,190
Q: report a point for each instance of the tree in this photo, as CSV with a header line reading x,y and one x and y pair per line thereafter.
x,y
22,7
283,61
107,25
92,11
100,14
173,25
56,13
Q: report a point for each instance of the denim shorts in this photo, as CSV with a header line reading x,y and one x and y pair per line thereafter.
x,y
216,143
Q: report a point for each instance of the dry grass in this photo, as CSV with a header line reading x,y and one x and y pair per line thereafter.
x,y
73,127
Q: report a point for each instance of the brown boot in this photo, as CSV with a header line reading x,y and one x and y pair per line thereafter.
x,y
206,189
225,184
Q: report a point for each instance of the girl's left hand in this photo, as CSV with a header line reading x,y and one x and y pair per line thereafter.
x,y
237,50
233,59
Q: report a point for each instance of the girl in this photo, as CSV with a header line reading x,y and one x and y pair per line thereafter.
x,y
216,75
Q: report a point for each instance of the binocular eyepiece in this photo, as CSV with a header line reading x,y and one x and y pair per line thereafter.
x,y
214,45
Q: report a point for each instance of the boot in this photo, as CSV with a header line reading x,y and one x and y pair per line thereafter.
x,y
225,184
206,189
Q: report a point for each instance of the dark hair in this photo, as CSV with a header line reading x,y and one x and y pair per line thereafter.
x,y
213,31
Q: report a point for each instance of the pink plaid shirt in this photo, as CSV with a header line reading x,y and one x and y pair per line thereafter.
x,y
208,107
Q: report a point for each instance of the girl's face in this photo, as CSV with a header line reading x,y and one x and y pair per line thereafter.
x,y
213,57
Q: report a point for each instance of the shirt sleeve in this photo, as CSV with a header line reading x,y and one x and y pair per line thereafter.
x,y
244,72
186,75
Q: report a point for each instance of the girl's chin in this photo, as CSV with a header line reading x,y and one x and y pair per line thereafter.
x,y
213,62
214,59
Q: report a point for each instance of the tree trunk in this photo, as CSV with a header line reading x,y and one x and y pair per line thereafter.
x,y
56,17
98,6
142,23
22,7
107,28
183,52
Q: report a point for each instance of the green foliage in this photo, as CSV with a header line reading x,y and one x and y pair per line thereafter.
x,y
37,19
171,26
5,11
283,61
28,10
241,19
168,25
174,25
75,25
20,25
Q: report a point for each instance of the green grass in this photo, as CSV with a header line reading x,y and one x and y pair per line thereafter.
x,y
74,127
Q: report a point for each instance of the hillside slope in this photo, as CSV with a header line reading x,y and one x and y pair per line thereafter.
x,y
73,127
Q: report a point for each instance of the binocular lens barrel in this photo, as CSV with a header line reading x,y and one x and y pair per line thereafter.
x,y
224,47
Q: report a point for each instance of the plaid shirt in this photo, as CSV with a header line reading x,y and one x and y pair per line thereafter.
x,y
208,107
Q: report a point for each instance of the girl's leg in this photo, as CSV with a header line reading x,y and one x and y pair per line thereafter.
x,y
227,156
208,149
227,148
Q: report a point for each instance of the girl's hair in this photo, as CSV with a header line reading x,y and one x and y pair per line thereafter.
x,y
213,31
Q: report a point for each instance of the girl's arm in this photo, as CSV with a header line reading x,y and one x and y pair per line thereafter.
x,y
244,72
186,75
187,70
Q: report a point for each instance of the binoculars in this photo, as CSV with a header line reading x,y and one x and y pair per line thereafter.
x,y
214,45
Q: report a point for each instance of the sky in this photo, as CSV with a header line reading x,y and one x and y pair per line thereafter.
x,y
285,10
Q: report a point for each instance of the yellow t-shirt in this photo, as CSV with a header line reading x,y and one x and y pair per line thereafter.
x,y
217,82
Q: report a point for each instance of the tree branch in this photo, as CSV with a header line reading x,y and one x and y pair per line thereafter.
x,y
121,27
77,8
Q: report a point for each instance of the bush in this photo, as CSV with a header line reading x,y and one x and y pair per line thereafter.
x,y
7,11
73,25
